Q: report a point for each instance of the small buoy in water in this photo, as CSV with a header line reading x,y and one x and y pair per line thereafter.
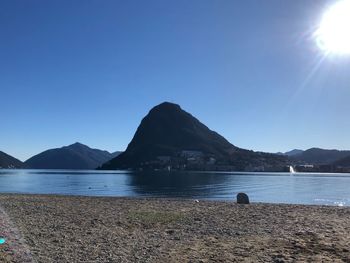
x,y
2,240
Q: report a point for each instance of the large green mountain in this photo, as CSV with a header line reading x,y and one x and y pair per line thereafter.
x,y
7,161
169,136
75,156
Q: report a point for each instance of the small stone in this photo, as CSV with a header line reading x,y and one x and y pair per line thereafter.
x,y
242,198
169,231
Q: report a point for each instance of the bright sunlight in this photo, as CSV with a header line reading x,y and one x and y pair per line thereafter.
x,y
333,34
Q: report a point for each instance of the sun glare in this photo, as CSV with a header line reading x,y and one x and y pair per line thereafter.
x,y
333,34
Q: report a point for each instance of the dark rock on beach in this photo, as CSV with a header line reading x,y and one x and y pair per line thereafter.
x,y
242,198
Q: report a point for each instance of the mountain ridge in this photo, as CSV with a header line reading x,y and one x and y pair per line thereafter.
x,y
8,161
320,156
74,156
167,134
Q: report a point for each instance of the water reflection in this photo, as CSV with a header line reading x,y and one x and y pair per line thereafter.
x,y
177,184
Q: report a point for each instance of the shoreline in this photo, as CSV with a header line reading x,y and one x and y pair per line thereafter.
x,y
61,228
179,170
183,199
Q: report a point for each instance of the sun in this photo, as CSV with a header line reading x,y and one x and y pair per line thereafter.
x,y
333,34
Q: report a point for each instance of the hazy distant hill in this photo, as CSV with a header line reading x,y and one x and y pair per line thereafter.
x,y
293,152
75,156
344,162
7,161
169,135
290,153
320,156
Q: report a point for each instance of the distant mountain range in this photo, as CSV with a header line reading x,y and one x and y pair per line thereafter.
x,y
7,161
75,156
169,137
319,156
293,152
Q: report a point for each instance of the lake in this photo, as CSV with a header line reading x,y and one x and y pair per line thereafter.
x,y
299,188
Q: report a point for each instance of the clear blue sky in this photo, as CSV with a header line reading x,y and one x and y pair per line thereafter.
x,y
88,71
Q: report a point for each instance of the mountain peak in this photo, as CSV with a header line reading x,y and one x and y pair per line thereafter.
x,y
74,156
165,106
294,152
77,145
168,135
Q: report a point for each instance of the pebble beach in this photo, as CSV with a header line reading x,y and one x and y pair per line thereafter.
x,y
51,228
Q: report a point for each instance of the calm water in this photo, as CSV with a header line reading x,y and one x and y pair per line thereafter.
x,y
330,189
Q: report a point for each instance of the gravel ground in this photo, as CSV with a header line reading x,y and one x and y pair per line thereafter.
x,y
99,229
